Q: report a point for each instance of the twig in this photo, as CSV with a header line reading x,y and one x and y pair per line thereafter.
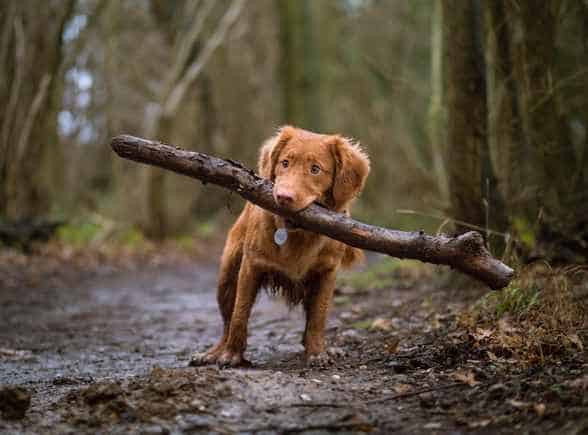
x,y
179,90
465,252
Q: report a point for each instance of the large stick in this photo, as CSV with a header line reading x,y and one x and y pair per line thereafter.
x,y
466,252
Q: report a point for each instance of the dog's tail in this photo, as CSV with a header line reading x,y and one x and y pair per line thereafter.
x,y
352,256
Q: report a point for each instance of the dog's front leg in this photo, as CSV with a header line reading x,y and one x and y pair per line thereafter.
x,y
247,287
317,307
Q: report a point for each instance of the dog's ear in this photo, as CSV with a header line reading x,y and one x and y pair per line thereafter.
x,y
270,151
352,167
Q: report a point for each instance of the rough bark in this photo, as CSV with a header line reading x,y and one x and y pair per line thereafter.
x,y
548,153
504,120
299,64
466,252
466,111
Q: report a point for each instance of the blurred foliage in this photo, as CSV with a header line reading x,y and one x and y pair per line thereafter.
x,y
391,74
376,276
384,272
79,235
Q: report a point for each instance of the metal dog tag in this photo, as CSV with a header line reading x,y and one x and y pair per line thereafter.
x,y
280,236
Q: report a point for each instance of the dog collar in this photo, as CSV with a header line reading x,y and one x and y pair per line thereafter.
x,y
280,236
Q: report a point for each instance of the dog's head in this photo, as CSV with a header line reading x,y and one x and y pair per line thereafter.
x,y
307,167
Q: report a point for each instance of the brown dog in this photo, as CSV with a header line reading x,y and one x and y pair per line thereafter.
x,y
305,167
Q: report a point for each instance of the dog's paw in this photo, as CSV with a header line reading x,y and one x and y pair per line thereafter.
x,y
232,359
203,358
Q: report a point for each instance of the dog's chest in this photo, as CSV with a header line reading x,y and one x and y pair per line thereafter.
x,y
299,255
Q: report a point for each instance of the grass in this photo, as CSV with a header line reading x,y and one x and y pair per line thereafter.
x,y
539,316
78,234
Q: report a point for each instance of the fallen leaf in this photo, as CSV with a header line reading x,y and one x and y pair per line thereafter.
x,y
576,340
518,404
467,377
14,354
491,356
479,423
505,326
391,345
382,324
401,388
481,334
539,409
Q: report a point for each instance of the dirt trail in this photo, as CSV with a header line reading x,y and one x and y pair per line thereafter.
x,y
110,355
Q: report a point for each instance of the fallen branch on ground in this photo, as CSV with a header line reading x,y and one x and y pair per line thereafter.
x,y
465,252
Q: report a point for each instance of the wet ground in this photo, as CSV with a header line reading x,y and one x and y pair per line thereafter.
x,y
109,353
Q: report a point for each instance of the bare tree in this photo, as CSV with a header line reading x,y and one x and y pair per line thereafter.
x,y
31,55
180,77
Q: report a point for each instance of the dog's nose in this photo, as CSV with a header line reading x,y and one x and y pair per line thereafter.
x,y
284,198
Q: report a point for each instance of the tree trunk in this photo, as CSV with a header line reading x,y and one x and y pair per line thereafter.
x,y
465,253
31,56
436,117
504,120
189,64
466,112
299,65
548,154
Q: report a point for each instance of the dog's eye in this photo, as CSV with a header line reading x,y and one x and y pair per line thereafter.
x,y
285,163
315,169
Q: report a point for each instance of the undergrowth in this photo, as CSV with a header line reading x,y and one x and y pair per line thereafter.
x,y
541,315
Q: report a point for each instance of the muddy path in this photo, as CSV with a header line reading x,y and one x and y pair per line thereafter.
x,y
110,353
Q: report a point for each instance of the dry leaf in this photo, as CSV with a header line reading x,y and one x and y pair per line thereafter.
x,y
481,334
401,388
518,404
539,409
491,356
479,423
382,324
505,326
467,377
391,345
576,340
14,354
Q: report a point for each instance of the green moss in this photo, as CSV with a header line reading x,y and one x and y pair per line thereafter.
x,y
131,237
78,234
525,232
